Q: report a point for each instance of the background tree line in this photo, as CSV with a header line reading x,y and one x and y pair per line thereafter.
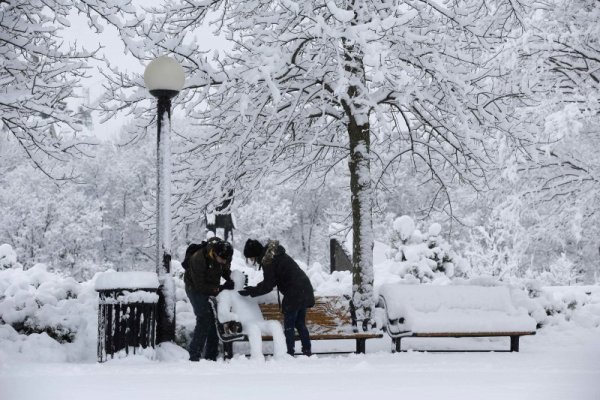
x,y
480,115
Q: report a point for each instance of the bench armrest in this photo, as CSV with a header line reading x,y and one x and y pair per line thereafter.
x,y
391,325
229,331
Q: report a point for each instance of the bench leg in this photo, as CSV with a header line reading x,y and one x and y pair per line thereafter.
x,y
514,343
361,345
398,344
228,350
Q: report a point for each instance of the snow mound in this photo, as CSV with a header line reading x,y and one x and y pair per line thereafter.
x,y
170,352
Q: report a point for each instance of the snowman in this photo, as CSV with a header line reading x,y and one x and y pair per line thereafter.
x,y
233,307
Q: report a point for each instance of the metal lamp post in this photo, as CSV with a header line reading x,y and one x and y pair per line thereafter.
x,y
164,78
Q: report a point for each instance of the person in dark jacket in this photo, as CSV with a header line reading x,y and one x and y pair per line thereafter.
x,y
202,279
281,270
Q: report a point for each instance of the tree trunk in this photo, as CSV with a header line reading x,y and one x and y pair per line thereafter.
x,y
362,223
358,128
310,234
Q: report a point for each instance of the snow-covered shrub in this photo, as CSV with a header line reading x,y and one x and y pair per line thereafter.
x,y
553,305
38,301
562,271
8,257
578,304
424,256
36,347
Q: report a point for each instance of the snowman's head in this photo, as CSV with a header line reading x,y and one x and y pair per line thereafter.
x,y
239,280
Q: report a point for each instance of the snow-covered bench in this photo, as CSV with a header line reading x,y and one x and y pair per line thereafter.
x,y
329,319
453,311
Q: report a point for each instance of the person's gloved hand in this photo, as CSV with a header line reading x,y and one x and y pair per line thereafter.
x,y
228,285
244,292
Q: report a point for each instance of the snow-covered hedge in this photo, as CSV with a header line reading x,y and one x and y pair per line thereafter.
x,y
44,316
35,301
562,304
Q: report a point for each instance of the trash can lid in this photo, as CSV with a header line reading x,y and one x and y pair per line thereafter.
x,y
126,280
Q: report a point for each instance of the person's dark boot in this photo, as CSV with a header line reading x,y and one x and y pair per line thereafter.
x,y
307,352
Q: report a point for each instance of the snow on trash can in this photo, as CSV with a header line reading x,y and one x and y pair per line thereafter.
x,y
126,312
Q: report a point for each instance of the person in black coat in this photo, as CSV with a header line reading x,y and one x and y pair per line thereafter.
x,y
202,279
281,270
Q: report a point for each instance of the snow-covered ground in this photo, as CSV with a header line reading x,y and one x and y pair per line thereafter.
x,y
561,365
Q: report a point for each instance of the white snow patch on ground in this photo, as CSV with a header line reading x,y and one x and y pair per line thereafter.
x,y
559,365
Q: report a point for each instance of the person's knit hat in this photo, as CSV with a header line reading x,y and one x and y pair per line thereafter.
x,y
253,248
224,250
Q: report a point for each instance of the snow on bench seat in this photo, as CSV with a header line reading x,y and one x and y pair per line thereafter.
x,y
453,311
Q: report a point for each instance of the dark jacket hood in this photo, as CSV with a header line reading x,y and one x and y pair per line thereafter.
x,y
272,249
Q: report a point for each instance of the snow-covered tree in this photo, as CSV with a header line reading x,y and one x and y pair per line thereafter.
x,y
41,70
311,84
121,181
82,225
552,188
45,222
268,215
500,245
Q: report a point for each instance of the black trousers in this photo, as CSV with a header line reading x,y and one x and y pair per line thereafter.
x,y
296,320
205,333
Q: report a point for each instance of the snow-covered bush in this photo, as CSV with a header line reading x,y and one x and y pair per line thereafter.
x,y
555,305
578,304
36,301
424,256
8,257
562,271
